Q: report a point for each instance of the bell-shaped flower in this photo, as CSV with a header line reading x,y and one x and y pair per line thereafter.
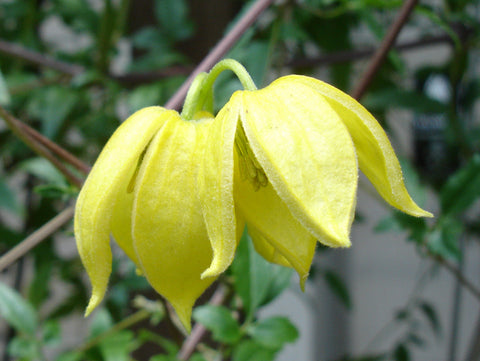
x,y
142,189
283,160
287,161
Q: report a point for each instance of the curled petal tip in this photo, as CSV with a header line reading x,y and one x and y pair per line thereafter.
x,y
212,271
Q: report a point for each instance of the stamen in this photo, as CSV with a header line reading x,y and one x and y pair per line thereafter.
x,y
249,167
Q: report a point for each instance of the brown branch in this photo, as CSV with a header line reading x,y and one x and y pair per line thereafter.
x,y
35,238
198,331
55,148
219,50
16,126
474,290
133,78
358,54
39,59
384,48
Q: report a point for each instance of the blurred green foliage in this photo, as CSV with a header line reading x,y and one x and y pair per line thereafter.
x,y
114,57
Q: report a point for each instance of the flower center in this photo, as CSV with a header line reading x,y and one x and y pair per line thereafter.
x,y
250,169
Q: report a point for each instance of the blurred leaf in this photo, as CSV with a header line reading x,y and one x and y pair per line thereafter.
x,y
431,314
102,321
401,353
56,191
338,287
273,332
143,96
118,346
44,170
51,105
16,311
22,348
4,94
71,356
443,240
462,188
219,321
251,351
173,17
8,199
170,347
51,333
39,289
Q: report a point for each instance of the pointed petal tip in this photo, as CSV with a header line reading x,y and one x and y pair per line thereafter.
x,y
418,212
184,314
93,303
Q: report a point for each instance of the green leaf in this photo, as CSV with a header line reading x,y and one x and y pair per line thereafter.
x,y
8,199
23,348
16,311
219,321
338,287
401,353
273,332
44,170
4,94
252,275
251,351
173,17
51,333
51,105
118,346
462,188
444,238
71,356
431,315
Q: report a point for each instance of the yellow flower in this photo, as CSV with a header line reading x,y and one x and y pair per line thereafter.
x,y
142,189
176,194
285,158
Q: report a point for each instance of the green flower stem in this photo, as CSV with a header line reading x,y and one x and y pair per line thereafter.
x,y
122,325
200,94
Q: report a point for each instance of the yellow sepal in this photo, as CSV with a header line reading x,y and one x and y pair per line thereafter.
x,y
100,192
307,155
170,236
376,157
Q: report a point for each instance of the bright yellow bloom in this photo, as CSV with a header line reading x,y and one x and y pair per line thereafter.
x,y
293,175
176,194
142,189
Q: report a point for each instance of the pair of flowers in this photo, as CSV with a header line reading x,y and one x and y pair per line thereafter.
x,y
176,191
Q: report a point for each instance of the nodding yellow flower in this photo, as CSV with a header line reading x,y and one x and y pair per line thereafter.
x,y
175,191
286,159
142,190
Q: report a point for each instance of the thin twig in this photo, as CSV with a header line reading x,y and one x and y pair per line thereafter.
x,y
36,237
474,290
219,50
56,149
39,59
384,48
344,56
127,322
198,331
16,127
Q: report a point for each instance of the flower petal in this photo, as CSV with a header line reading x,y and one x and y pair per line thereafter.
x,y
216,189
169,232
276,234
307,155
98,195
376,157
